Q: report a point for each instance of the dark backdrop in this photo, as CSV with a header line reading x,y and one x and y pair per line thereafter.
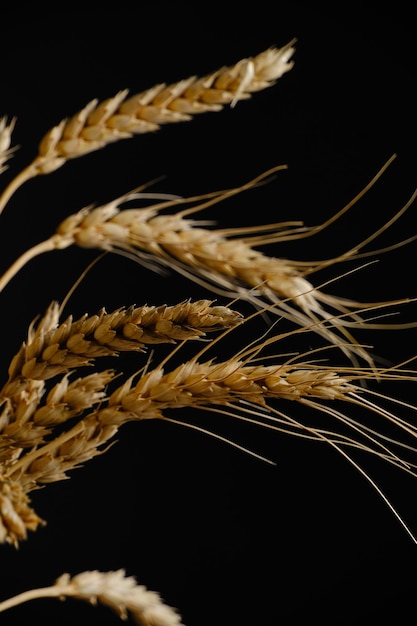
x,y
227,539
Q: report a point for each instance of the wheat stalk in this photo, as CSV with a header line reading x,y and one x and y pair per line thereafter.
x,y
121,117
115,590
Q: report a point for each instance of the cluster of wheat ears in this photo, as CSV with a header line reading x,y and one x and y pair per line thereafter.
x,y
54,416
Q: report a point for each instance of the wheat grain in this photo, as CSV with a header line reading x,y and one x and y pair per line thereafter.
x,y
113,589
194,384
120,117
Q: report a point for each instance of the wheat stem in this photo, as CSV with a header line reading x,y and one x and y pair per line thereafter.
x,y
26,174
32,594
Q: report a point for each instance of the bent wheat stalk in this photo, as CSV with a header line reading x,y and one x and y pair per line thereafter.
x,y
115,590
122,117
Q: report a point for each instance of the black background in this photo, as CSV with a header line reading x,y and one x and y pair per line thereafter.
x,y
227,539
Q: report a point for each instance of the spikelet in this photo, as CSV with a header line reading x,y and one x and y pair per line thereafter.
x,y
244,386
6,129
16,516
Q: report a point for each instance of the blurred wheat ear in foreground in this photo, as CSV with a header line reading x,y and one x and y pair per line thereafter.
x,y
59,408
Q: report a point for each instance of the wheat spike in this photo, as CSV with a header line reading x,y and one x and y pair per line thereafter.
x,y
113,589
53,348
207,384
121,117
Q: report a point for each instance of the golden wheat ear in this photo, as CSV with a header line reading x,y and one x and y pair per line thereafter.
x,y
123,116
113,589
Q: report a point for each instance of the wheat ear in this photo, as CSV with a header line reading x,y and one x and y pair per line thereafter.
x,y
113,589
121,117
253,394
54,348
